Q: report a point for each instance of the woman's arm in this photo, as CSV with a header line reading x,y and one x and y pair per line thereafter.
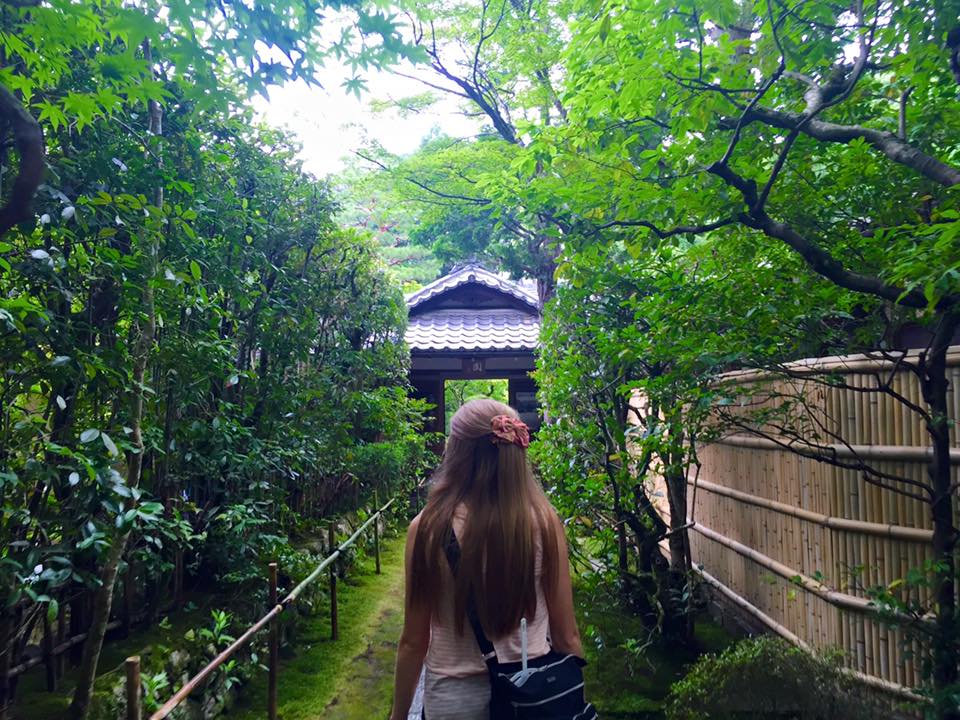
x,y
564,635
413,640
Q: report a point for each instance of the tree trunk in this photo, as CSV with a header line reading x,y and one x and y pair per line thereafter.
x,y
7,645
146,323
621,530
945,647
679,541
102,604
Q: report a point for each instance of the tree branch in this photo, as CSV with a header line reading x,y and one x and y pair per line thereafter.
x,y
818,259
897,150
953,45
677,230
29,140
423,186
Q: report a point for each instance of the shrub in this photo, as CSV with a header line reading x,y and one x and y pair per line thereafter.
x,y
767,677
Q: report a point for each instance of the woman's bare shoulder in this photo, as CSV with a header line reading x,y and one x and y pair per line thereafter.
x,y
415,523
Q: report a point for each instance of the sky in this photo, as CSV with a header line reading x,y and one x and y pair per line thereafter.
x,y
331,123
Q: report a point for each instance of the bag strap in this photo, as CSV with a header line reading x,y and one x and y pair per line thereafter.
x,y
452,550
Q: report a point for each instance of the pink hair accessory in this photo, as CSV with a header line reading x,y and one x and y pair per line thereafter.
x,y
508,429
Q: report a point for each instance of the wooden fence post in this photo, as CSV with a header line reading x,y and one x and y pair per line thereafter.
x,y
376,530
334,629
274,648
133,687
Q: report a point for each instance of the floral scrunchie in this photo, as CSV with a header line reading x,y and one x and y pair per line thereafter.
x,y
506,429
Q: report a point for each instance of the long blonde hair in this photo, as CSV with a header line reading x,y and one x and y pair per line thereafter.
x,y
507,513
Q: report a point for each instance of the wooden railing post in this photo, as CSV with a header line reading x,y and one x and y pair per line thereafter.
x,y
274,648
133,687
334,629
376,530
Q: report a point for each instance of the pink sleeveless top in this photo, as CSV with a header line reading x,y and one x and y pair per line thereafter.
x,y
458,655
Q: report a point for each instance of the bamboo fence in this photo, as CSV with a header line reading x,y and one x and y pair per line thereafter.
x,y
797,542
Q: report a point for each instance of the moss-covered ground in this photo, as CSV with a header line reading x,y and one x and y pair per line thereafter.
x,y
627,679
351,678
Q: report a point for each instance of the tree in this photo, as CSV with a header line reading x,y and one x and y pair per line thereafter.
x,y
370,204
827,130
130,107
632,347
503,63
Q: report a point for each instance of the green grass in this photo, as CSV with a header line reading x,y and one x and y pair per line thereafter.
x,y
352,677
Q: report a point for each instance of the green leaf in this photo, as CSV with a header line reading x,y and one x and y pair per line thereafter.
x,y
53,609
195,270
83,107
89,435
109,444
604,30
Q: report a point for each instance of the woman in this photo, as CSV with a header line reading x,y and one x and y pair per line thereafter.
x,y
513,561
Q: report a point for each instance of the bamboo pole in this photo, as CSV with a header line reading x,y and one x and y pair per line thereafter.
x,y
334,625
376,532
274,648
835,597
848,364
836,523
786,633
811,450
795,515
225,655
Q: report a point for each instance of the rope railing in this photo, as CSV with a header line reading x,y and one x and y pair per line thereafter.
x,y
133,685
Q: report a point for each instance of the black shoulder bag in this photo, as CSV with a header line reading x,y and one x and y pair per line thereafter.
x,y
551,686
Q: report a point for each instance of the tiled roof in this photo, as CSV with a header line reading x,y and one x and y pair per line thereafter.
x,y
473,330
472,274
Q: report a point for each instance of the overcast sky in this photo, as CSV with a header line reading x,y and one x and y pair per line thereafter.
x,y
331,123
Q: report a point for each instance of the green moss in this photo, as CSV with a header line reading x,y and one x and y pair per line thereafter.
x,y
627,677
349,678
